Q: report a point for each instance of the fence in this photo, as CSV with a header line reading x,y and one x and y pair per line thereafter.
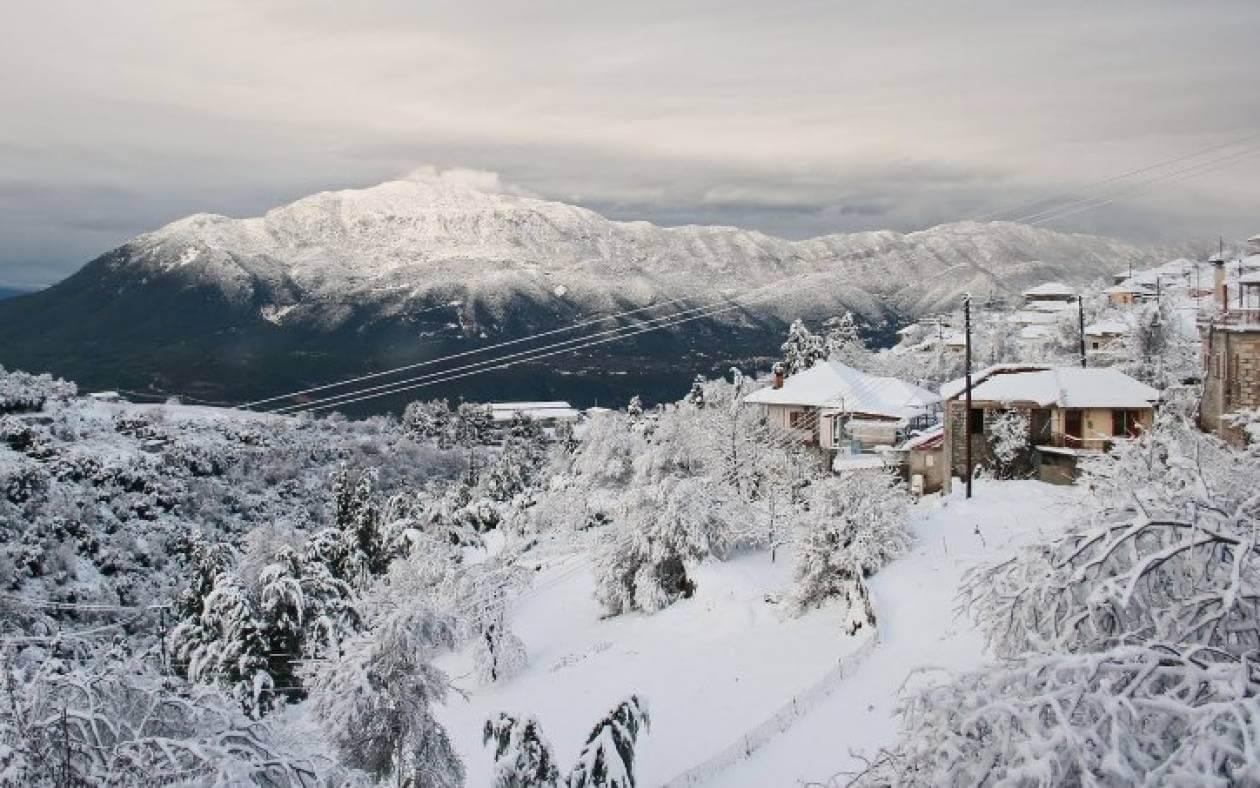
x,y
778,722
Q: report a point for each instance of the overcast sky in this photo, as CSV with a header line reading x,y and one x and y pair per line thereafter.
x,y
795,118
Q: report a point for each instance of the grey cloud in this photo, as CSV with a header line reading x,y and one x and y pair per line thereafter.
x,y
795,118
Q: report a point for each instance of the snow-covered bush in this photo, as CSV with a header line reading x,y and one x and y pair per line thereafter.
x,y
21,391
522,755
607,758
1009,433
1131,715
1162,349
855,525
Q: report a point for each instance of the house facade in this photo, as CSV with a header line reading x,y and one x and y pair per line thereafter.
x,y
1071,411
1231,357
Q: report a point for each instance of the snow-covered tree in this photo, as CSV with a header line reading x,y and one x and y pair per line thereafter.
x,y
375,701
842,340
118,722
522,756
1164,553
802,349
855,525
431,421
607,759
1161,348
696,395
483,594
1131,715
1009,433
635,409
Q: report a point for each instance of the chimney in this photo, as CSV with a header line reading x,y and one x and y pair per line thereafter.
x,y
1218,283
778,375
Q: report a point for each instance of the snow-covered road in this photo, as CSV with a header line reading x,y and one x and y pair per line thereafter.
x,y
920,634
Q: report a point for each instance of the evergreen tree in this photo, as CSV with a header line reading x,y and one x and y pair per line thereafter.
x,y
431,421
635,409
522,756
473,424
802,349
607,759
696,395
375,701
842,341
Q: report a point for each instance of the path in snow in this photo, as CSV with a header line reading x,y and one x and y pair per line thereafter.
x,y
914,601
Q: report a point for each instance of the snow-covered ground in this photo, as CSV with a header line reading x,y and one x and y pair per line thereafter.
x,y
914,599
717,665
709,668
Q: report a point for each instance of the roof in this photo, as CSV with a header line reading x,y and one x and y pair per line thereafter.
x,y
833,384
1128,286
555,409
928,439
1049,289
1254,238
1067,387
857,462
955,387
1105,327
1252,278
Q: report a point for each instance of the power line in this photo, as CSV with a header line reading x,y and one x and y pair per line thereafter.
x,y
465,353
1115,178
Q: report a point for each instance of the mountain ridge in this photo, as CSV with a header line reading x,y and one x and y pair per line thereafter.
x,y
342,282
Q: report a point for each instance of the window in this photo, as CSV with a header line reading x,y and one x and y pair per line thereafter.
x,y
796,419
1126,423
977,421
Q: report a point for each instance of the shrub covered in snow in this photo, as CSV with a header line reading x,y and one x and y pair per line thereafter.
x,y
855,525
607,758
21,391
522,756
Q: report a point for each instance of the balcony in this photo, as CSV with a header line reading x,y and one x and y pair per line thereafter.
x,y
1236,319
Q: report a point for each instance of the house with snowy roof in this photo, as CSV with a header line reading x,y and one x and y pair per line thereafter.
x,y
840,409
1070,411
1049,296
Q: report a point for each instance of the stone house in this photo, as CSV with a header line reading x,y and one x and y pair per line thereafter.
x,y
1071,411
1231,356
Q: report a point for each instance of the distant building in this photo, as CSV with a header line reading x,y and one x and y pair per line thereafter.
x,y
1231,355
1072,411
1048,296
548,414
1127,293
840,409
1106,336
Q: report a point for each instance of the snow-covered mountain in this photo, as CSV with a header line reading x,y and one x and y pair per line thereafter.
x,y
342,282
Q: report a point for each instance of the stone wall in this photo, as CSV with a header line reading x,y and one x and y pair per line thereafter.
x,y
1231,379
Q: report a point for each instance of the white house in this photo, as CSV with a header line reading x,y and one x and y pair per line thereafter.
x,y
835,406
547,414
1106,335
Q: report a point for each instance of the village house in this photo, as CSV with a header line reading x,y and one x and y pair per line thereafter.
x,y
547,414
1128,293
921,460
1106,337
1049,297
1072,411
841,410
1231,355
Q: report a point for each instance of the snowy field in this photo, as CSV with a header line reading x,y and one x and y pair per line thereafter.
x,y
709,667
919,632
714,666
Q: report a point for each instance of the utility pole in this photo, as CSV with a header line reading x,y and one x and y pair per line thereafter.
x,y
1080,317
1157,287
967,367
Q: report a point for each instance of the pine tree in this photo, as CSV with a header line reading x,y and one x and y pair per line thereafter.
x,y
802,349
522,756
635,409
375,701
842,341
696,395
430,421
607,759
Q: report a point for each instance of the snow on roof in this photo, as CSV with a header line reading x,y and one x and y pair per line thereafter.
x,y
1129,286
1051,306
1252,278
1254,238
1049,289
555,409
1068,387
1033,317
1105,327
1034,332
832,384
955,387
926,440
